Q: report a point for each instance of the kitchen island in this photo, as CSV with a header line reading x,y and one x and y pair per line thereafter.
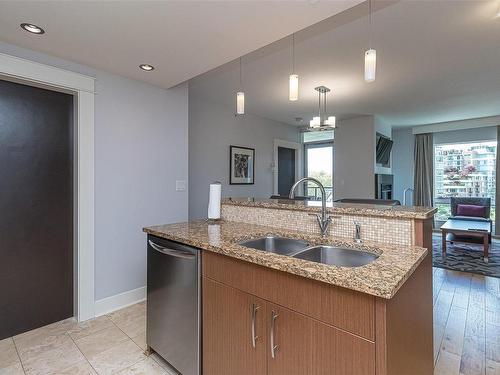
x,y
265,313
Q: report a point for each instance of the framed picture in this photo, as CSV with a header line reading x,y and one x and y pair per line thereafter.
x,y
241,165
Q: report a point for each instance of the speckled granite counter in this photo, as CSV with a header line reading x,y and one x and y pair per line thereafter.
x,y
381,278
402,212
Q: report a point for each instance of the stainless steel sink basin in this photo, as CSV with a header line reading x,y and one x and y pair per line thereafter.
x,y
276,244
336,256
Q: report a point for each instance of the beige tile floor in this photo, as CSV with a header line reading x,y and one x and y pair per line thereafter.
x,y
111,344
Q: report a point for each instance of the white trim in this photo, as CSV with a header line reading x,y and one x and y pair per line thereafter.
x,y
298,161
82,87
85,206
119,301
481,122
34,72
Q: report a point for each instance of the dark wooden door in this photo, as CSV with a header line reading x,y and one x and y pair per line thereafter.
x,y
36,207
286,170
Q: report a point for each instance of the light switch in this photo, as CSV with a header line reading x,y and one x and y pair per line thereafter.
x,y
180,185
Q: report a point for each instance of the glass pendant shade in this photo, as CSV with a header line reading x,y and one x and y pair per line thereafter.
x,y
315,122
240,103
293,88
370,65
330,121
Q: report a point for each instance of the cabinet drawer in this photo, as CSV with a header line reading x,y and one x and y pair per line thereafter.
x,y
346,309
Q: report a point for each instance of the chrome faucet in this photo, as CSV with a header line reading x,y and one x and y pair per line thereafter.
x,y
323,220
357,233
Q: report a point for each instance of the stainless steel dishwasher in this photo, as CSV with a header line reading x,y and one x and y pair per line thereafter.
x,y
173,304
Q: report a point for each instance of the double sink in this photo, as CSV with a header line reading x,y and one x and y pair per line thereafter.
x,y
325,254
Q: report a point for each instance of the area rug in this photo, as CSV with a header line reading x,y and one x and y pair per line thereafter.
x,y
467,258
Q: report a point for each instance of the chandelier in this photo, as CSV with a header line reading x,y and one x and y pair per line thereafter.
x,y
322,121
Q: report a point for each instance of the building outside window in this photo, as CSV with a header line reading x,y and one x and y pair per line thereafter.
x,y
464,170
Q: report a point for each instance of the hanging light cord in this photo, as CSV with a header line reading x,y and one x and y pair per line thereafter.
x,y
325,113
240,74
319,106
293,53
370,24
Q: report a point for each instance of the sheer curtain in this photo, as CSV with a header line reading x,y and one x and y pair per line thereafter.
x,y
423,174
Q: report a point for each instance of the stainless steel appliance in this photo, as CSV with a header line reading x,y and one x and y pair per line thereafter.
x,y
173,313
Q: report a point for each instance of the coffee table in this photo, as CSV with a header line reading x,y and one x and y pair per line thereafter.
x,y
477,231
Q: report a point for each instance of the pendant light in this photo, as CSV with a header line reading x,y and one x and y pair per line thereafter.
x,y
322,121
240,99
371,54
293,82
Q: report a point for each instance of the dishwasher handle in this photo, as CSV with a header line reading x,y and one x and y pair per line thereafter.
x,y
175,253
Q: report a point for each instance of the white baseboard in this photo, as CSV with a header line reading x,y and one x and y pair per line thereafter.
x,y
119,301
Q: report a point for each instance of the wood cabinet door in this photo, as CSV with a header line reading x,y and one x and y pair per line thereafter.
x,y
337,352
231,319
306,346
291,335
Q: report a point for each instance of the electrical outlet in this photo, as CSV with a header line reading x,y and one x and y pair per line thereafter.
x,y
180,185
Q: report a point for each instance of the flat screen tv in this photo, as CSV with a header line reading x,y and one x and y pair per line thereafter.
x,y
384,147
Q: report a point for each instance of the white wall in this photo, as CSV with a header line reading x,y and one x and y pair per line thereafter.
x,y
402,161
354,161
141,148
212,129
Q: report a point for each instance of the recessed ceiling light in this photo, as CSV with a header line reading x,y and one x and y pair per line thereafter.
x,y
147,67
34,29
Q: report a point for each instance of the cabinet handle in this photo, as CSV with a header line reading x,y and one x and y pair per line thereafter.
x,y
274,348
255,307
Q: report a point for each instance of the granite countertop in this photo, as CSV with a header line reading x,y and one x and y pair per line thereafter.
x,y
381,278
402,212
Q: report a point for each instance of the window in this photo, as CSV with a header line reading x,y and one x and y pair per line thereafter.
x,y
318,151
464,170
318,136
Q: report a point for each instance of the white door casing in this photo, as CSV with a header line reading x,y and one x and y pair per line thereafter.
x,y
82,88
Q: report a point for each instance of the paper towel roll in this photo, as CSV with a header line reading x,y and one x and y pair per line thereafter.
x,y
214,199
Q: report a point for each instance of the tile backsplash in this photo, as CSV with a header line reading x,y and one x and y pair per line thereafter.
x,y
395,231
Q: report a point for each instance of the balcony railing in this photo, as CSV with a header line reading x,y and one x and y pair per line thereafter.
x,y
314,193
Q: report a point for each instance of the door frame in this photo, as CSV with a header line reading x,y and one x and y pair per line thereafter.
x,y
31,73
298,161
319,144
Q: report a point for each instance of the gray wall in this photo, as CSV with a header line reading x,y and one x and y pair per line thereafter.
x,y
354,160
212,129
141,148
402,161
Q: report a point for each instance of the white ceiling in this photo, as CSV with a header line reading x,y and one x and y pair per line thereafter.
x,y
180,38
437,61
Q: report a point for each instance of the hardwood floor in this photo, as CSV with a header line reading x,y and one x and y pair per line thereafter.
x,y
466,323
